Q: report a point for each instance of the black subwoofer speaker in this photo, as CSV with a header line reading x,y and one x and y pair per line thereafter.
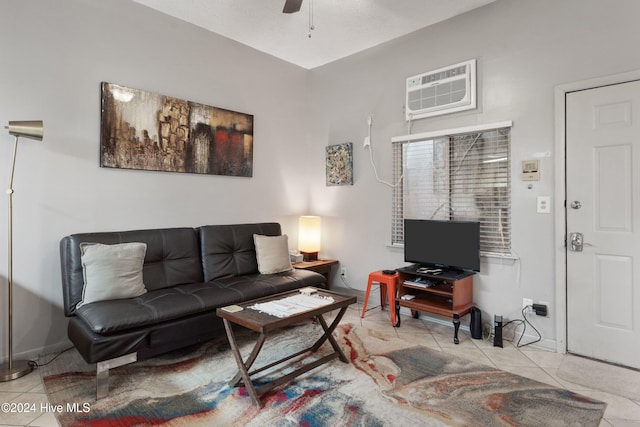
x,y
476,323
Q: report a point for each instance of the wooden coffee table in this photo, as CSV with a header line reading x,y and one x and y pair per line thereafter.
x,y
265,323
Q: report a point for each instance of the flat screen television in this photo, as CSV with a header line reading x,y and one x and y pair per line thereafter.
x,y
452,245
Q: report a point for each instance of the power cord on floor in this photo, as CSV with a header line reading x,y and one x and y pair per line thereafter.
x,y
344,280
488,331
524,324
36,365
374,288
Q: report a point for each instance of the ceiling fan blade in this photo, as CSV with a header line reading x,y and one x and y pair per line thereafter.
x,y
292,6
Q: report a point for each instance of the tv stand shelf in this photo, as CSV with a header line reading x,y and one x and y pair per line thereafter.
x,y
449,293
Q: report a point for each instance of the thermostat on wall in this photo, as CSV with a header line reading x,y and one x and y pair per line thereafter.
x,y
531,170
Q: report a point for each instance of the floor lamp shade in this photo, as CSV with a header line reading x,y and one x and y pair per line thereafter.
x,y
13,369
29,129
309,236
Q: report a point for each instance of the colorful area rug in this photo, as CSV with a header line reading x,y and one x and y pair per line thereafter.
x,y
389,382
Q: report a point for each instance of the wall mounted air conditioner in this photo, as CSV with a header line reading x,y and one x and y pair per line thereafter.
x,y
442,91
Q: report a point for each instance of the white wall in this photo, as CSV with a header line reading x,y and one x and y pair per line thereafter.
x,y
524,49
54,54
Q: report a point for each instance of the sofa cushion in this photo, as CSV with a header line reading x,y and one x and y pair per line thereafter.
x,y
112,271
155,307
248,287
229,250
172,258
272,253
107,317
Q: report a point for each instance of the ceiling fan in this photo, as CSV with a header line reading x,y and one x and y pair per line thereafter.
x,y
292,6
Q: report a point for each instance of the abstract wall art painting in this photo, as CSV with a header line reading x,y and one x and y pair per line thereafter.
x,y
147,131
339,164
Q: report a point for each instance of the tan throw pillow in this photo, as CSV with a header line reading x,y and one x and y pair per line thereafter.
x,y
272,253
112,271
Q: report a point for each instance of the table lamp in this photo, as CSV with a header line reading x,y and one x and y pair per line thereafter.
x,y
309,235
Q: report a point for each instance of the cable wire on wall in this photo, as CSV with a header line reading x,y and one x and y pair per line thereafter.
x,y
373,163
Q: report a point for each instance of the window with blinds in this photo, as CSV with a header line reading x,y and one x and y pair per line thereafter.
x,y
459,175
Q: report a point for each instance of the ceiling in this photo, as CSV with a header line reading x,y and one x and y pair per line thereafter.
x,y
341,27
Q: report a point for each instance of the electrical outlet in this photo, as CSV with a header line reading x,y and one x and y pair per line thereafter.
x,y
544,204
343,272
526,302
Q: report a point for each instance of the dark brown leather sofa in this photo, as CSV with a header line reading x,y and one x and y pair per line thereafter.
x,y
187,272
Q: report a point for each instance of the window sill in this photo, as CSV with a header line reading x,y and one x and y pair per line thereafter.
x,y
499,256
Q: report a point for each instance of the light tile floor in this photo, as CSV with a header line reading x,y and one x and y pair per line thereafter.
x,y
537,364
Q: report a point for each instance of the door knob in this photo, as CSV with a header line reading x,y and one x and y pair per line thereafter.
x,y
576,242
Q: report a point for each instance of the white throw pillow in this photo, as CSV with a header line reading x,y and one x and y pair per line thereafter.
x,y
272,253
112,271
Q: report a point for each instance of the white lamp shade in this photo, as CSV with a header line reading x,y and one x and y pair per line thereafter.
x,y
309,233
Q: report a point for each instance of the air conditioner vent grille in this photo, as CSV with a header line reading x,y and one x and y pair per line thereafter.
x,y
435,96
441,91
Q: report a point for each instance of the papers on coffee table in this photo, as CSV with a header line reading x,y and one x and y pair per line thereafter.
x,y
292,305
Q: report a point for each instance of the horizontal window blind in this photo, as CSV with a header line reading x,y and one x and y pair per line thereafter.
x,y
463,176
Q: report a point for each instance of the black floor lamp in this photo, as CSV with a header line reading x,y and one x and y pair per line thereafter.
x,y
13,369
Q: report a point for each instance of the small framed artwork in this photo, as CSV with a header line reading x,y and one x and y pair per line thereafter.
x,y
340,164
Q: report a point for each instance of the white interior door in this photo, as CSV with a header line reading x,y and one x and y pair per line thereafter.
x,y
603,204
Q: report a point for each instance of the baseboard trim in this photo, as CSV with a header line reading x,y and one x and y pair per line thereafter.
x,y
41,355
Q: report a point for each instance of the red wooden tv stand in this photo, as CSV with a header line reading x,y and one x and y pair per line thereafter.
x,y
448,293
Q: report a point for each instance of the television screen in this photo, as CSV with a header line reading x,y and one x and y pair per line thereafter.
x,y
446,244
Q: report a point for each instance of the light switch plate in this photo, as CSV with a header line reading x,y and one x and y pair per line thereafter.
x,y
544,204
